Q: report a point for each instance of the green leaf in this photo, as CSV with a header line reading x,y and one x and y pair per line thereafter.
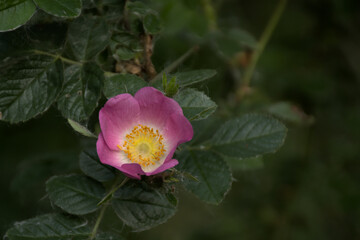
x,y
86,38
60,8
212,172
249,136
290,113
81,129
196,105
137,8
14,13
185,79
152,24
81,91
245,164
124,38
124,53
50,227
204,130
75,194
122,83
92,167
142,207
28,87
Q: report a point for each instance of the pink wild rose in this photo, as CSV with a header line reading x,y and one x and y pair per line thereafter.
x,y
140,134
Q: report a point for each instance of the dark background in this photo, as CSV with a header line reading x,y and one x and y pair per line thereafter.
x,y
307,190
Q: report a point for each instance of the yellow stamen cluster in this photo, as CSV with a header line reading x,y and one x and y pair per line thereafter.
x,y
143,145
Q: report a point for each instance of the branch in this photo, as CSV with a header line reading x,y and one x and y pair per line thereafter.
x,y
148,51
263,41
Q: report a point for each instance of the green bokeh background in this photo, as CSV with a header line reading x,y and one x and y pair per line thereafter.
x,y
308,190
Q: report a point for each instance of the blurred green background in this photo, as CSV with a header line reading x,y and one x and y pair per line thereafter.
x,y
308,190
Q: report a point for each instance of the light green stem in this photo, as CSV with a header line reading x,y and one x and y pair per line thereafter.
x,y
98,221
112,191
57,57
103,208
263,41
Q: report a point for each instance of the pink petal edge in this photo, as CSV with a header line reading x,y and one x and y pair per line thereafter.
x,y
108,156
155,108
166,165
178,130
132,170
118,116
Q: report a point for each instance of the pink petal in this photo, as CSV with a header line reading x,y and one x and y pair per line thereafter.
x,y
108,156
132,170
178,130
155,107
166,165
119,115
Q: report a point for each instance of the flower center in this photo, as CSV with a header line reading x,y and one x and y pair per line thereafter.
x,y
143,145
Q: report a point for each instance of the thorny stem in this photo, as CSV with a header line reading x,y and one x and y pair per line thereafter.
x,y
57,57
263,41
176,63
114,188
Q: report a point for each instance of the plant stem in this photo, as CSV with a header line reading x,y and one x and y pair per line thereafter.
x,y
263,41
98,221
103,208
57,56
172,66
210,14
148,51
112,191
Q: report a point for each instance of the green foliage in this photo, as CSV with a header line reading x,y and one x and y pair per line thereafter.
x,y
122,83
212,172
152,24
28,87
81,129
124,53
81,91
185,79
19,11
138,8
142,207
87,37
92,167
49,227
60,8
196,105
125,46
249,136
290,113
245,164
75,194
